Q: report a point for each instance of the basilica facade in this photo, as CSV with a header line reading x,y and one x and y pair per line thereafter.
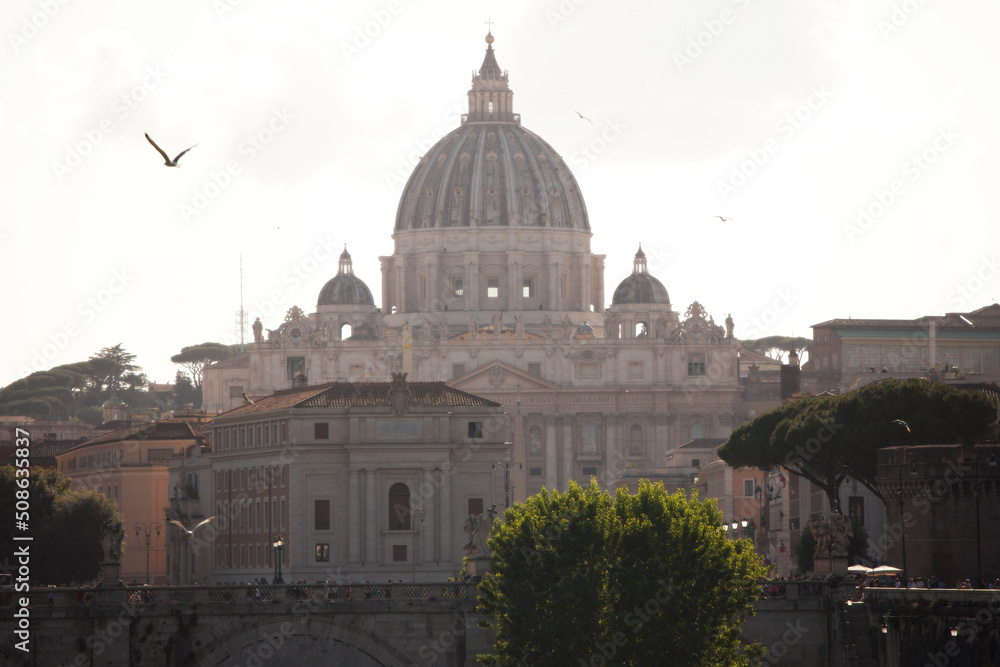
x,y
493,287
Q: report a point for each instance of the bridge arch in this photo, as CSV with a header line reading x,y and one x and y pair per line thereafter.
x,y
302,639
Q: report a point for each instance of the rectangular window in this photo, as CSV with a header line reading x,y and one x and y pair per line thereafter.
x,y
475,429
695,463
696,365
321,514
589,471
856,510
423,287
635,369
475,506
296,367
457,371
236,391
457,287
493,288
399,553
321,431
528,290
535,370
748,487
535,472
588,370
322,553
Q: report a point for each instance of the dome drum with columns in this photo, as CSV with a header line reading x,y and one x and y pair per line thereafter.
x,y
493,288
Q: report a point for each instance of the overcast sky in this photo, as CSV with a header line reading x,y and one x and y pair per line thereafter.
x,y
789,117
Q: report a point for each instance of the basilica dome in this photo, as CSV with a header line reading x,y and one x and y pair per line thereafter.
x,y
491,171
345,288
640,287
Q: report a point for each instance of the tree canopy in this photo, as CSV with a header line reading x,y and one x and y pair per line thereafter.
x,y
586,578
194,357
826,439
77,389
65,526
776,346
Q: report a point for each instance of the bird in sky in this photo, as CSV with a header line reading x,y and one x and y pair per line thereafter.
x,y
723,219
166,158
903,424
583,117
190,533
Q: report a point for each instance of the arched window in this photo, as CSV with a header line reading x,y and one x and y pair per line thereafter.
x,y
535,441
697,431
641,330
345,331
399,507
635,440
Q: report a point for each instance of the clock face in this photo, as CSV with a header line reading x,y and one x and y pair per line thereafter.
x,y
696,328
295,332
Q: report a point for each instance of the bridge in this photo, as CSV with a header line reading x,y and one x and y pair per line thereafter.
x,y
363,625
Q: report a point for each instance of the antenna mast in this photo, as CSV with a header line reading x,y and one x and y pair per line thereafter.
x,y
241,316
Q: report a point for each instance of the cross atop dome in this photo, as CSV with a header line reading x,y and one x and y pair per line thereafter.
x,y
490,98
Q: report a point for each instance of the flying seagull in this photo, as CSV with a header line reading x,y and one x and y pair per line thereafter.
x,y
190,533
583,117
723,219
903,424
246,399
166,158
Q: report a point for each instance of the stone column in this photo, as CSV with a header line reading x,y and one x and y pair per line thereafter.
x,y
567,462
584,283
551,458
371,554
554,301
401,302
611,421
514,284
472,281
354,509
386,291
599,287
444,526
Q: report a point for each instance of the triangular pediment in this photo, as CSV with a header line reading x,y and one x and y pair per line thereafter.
x,y
498,376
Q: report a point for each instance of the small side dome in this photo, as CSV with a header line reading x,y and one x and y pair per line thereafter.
x,y
585,330
640,287
345,288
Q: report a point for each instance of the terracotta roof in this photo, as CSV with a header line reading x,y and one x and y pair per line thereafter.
x,y
173,430
982,318
702,443
241,360
358,394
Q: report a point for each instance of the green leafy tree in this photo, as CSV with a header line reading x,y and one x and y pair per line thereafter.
x,y
185,392
65,526
776,346
113,369
827,439
194,357
626,580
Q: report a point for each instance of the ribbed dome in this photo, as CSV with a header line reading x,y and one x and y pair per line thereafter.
x,y
640,287
345,288
491,171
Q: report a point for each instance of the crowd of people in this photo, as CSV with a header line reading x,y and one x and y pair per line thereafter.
x,y
896,581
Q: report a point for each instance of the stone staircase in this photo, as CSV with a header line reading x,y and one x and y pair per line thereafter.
x,y
857,635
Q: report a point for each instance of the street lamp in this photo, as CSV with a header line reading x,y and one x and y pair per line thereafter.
x,y
506,477
902,524
278,545
147,530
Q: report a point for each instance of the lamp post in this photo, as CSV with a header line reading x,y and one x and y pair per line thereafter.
x,y
902,525
147,530
506,477
278,545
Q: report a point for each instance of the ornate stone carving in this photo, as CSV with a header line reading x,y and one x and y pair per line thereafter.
x,y
497,376
399,393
